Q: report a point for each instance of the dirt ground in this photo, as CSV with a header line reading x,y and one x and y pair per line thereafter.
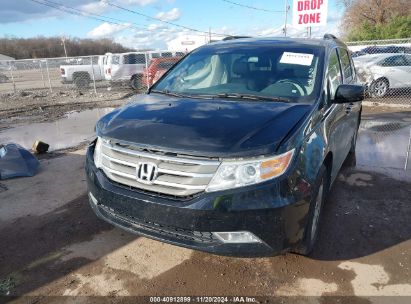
x,y
52,244
41,105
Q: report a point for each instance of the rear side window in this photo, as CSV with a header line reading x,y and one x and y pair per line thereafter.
x,y
155,55
167,54
346,66
180,54
165,65
407,60
334,78
398,60
134,59
115,60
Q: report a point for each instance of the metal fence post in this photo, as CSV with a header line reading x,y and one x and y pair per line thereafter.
x,y
42,74
48,75
12,77
408,152
147,77
92,74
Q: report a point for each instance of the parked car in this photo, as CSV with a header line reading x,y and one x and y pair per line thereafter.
x,y
382,72
83,74
156,69
234,150
129,67
382,50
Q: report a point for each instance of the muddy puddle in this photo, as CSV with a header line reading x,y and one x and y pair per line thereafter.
x,y
383,144
73,129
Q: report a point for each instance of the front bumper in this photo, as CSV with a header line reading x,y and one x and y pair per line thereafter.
x,y
275,218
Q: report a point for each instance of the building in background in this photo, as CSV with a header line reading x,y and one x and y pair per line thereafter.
x,y
188,41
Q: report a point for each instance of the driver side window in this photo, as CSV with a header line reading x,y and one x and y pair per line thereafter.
x,y
334,78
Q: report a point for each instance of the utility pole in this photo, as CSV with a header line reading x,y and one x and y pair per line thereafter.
x,y
308,31
63,42
286,17
209,34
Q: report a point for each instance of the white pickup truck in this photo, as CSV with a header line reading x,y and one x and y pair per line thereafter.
x,y
129,67
83,74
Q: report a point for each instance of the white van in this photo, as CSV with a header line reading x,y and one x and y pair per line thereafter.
x,y
129,67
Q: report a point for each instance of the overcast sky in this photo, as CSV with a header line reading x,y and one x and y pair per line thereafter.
x,y
27,18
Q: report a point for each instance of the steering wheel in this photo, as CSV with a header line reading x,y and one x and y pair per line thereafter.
x,y
295,83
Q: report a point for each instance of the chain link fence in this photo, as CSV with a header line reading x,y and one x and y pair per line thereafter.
x,y
98,74
384,67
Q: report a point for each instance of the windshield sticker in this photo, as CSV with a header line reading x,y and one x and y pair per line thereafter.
x,y
297,58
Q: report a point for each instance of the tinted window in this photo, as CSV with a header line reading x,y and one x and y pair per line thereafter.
x,y
167,54
155,55
346,65
134,58
165,65
115,60
398,60
180,54
334,78
407,60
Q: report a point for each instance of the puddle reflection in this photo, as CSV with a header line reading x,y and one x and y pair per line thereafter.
x,y
381,144
69,131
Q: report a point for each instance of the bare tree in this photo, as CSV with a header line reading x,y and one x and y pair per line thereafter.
x,y
46,47
375,12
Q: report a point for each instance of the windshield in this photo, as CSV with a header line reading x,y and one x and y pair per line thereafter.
x,y
289,73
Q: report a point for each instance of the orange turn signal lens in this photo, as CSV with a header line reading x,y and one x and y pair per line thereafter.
x,y
276,166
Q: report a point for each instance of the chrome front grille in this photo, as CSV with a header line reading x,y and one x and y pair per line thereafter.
x,y
177,175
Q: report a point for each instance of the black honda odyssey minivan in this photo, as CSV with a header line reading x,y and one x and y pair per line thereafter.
x,y
233,151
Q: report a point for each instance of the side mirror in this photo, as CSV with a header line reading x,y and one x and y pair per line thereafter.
x,y
349,93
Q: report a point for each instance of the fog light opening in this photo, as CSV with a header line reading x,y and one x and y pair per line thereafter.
x,y
237,237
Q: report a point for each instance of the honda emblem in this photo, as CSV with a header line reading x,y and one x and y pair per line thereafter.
x,y
146,173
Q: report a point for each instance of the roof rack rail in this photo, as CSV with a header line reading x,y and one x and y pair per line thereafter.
x,y
330,36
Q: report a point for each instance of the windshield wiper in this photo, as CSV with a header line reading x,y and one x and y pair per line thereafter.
x,y
252,97
167,92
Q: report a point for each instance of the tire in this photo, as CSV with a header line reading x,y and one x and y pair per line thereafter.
x,y
82,82
315,211
379,88
136,82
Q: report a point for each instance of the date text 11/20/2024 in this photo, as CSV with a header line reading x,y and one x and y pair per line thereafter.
x,y
203,299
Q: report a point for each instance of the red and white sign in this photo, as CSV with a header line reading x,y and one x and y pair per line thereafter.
x,y
310,13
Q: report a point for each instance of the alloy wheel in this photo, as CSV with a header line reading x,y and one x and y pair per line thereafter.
x,y
380,88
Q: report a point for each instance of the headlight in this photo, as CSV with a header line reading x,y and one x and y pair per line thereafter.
x,y
234,174
97,153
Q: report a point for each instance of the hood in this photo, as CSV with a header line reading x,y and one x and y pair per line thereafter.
x,y
214,128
